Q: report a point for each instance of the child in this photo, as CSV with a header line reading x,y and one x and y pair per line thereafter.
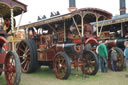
x,y
114,59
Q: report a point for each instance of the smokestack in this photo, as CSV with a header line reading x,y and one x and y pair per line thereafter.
x,y
122,7
72,5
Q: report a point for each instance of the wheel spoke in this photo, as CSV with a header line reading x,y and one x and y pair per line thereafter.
x,y
27,51
23,62
26,65
23,44
21,50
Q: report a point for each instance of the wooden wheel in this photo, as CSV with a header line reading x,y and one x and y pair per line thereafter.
x,y
12,68
62,66
90,63
27,53
120,58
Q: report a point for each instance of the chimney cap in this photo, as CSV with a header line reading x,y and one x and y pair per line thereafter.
x,y
71,9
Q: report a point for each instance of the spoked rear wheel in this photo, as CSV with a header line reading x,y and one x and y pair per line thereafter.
x,y
27,52
62,65
90,63
12,68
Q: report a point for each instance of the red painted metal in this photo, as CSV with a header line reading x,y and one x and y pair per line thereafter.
x,y
2,40
76,41
91,40
5,47
2,58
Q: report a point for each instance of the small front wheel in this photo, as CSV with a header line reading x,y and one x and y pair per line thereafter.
x,y
12,68
62,65
90,63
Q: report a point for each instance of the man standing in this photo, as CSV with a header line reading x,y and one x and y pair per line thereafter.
x,y
99,60
102,52
126,55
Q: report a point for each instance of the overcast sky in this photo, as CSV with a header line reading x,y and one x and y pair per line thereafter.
x,y
40,7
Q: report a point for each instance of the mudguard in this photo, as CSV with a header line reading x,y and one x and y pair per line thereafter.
x,y
3,40
91,40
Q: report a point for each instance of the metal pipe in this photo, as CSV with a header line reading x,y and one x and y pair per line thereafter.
x,y
82,23
64,32
97,33
76,26
72,3
19,21
122,7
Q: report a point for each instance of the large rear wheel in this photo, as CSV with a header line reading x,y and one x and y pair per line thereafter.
x,y
90,63
62,65
12,68
27,52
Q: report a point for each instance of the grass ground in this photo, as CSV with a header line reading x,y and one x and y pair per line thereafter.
x,y
45,76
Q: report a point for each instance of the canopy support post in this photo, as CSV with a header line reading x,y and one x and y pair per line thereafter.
x,y
64,32
12,27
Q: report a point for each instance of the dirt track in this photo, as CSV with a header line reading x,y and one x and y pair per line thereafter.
x,y
46,77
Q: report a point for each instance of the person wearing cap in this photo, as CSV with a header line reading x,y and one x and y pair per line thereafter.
x,y
103,53
114,59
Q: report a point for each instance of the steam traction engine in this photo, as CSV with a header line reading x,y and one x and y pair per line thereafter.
x,y
61,42
9,60
115,32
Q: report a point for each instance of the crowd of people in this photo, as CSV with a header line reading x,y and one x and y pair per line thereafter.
x,y
102,52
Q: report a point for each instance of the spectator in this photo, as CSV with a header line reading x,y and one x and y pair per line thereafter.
x,y
99,60
126,55
102,52
114,59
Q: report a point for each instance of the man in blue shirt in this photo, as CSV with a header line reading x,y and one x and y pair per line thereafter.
x,y
126,54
